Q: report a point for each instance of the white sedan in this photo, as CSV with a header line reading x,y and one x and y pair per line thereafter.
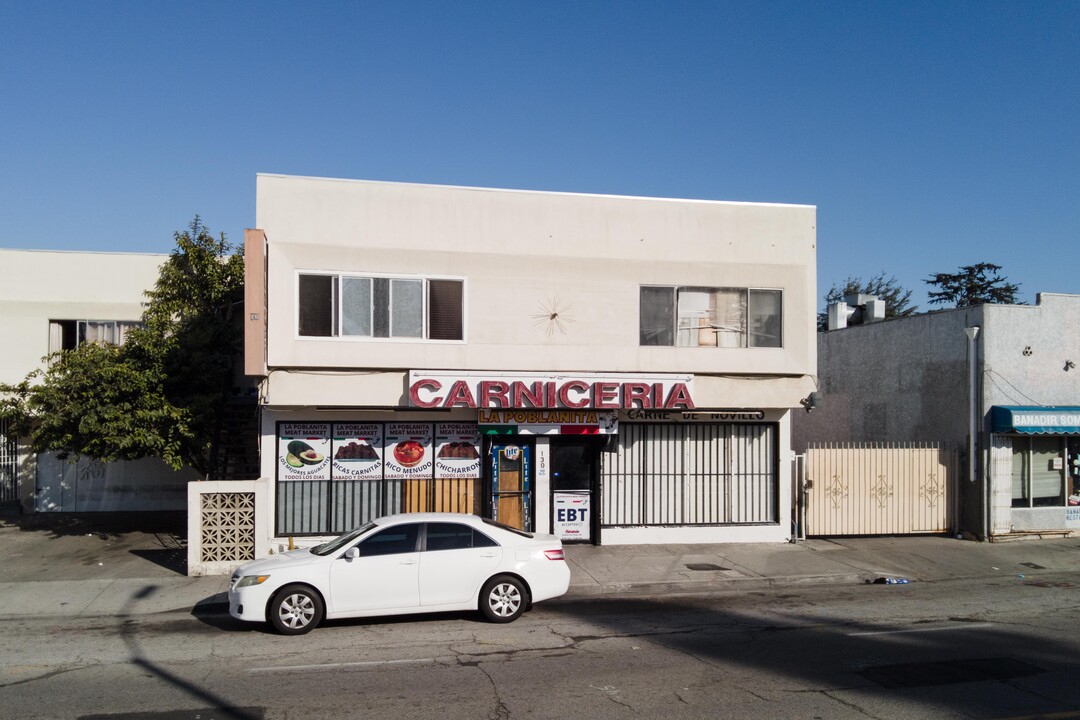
x,y
400,564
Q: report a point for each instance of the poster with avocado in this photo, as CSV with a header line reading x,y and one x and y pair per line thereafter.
x,y
304,451
408,450
358,450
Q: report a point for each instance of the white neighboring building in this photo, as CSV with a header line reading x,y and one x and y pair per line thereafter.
x,y
49,301
611,369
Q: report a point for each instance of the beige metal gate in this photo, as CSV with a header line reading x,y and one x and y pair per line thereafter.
x,y
880,489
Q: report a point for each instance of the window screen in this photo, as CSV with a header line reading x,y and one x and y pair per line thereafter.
x,y
657,314
765,319
316,311
444,309
356,306
406,308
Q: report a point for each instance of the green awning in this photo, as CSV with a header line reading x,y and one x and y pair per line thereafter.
x,y
1035,420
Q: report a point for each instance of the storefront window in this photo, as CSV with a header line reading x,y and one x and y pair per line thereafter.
x,y
1020,458
333,476
1038,471
1047,472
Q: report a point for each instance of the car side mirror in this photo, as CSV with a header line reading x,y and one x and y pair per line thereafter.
x,y
352,553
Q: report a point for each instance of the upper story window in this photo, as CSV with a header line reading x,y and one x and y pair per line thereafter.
x,y
70,334
711,317
361,306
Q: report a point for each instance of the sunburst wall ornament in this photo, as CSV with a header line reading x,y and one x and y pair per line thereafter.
x,y
553,315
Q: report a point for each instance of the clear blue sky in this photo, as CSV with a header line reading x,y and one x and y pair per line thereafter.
x,y
929,134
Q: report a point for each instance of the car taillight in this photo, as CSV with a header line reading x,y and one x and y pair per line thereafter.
x,y
554,555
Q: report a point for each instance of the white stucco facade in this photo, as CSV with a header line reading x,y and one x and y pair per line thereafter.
x,y
37,286
44,295
551,292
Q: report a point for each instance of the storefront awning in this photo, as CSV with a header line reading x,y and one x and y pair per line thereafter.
x,y
1035,420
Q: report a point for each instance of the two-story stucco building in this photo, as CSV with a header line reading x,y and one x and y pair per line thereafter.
x,y
611,369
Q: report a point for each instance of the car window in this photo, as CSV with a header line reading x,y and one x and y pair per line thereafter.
x,y
341,541
507,528
391,541
453,536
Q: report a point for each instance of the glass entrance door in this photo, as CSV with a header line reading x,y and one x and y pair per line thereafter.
x,y
510,477
575,468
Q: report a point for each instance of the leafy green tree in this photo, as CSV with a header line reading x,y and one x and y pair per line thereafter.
x,y
160,394
897,298
972,285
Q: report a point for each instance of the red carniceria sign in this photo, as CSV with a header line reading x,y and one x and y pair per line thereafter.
x,y
438,390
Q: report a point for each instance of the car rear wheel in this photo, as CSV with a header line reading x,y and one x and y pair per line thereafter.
x,y
295,610
503,599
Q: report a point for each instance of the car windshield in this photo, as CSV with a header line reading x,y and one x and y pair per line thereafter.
x,y
341,541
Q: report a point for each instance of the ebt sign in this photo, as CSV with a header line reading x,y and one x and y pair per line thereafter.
x,y
442,389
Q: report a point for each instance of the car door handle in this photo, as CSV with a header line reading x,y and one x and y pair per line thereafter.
x,y
487,554
408,562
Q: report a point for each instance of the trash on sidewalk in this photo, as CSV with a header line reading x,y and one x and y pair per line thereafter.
x,y
890,581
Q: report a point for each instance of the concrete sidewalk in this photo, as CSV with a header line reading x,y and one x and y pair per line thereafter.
x,y
93,566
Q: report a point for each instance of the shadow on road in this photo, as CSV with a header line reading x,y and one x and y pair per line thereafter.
x,y
930,661
104,525
219,706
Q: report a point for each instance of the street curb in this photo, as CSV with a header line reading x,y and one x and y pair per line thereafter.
x,y
217,608
617,589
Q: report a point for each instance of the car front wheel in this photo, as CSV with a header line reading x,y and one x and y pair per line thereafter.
x,y
295,610
503,599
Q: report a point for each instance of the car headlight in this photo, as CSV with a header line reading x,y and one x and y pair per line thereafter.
x,y
249,580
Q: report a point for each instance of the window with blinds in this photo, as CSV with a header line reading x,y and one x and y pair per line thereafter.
x,y
710,317
70,334
360,306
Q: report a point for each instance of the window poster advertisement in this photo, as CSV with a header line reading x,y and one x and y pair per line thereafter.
x,y
358,450
407,451
304,451
572,514
457,450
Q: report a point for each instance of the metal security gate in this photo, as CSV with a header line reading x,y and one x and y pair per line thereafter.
x,y
690,474
9,465
880,489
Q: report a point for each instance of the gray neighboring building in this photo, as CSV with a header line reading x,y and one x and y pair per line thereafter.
x,y
908,380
